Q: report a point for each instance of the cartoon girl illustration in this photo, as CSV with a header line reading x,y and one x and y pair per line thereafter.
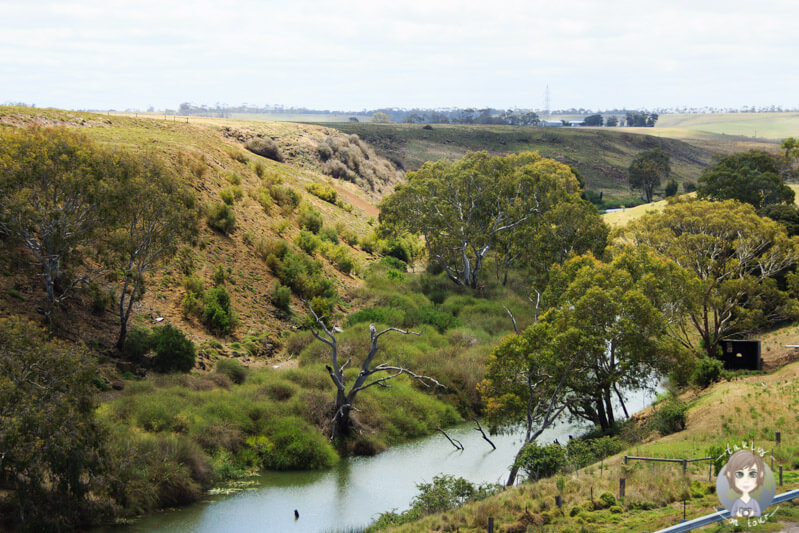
x,y
745,473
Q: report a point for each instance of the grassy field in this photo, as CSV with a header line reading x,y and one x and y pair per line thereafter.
x,y
754,125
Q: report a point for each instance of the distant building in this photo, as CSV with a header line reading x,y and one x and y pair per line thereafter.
x,y
575,123
551,123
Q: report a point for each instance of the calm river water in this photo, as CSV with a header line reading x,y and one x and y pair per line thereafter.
x,y
353,494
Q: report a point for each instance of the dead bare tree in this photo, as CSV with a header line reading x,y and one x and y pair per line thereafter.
x,y
341,423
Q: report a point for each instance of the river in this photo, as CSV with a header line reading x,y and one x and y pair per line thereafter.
x,y
354,493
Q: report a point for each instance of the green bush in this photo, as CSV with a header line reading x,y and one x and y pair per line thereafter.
x,y
706,372
329,235
390,316
218,312
137,343
173,351
265,147
281,297
324,192
220,275
398,249
227,196
393,262
606,500
298,447
233,370
670,416
300,272
541,461
307,242
285,196
221,217
310,219
671,188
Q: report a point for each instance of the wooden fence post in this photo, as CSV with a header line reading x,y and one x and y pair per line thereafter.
x,y
558,501
491,524
622,484
780,475
684,466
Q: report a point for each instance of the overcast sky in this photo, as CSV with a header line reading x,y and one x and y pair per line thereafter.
x,y
352,55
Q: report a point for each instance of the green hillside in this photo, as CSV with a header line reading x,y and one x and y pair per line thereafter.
x,y
753,125
601,156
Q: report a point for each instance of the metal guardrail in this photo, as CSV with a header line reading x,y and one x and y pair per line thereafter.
x,y
722,515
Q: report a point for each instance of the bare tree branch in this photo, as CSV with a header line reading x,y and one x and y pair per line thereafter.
x,y
455,442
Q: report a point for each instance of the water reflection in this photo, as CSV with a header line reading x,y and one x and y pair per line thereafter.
x,y
356,491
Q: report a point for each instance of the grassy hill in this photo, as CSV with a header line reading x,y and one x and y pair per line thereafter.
x,y
752,125
209,155
602,156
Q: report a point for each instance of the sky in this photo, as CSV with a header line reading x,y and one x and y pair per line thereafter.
x,y
353,55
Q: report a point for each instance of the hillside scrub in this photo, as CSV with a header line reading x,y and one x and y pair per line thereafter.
x,y
348,158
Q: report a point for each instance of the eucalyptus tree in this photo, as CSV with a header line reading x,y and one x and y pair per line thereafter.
x,y
474,206
735,257
53,186
647,170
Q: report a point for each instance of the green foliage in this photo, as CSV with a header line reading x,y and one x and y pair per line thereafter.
x,y
443,494
233,369
517,189
265,147
137,343
227,196
606,500
220,275
296,446
299,272
173,351
51,443
193,299
669,417
341,257
328,234
324,192
541,461
281,297
310,219
671,188
307,242
647,170
732,258
706,372
220,216
394,263
217,311
751,177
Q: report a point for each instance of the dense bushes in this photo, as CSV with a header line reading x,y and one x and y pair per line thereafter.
x,y
348,158
539,461
298,271
221,217
52,445
706,371
173,351
324,192
265,147
310,219
218,312
669,416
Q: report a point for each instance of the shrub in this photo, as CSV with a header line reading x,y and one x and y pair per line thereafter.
x,y
173,351
221,217
324,192
264,147
217,311
281,297
541,461
220,275
233,178
670,416
706,372
137,343
688,186
329,235
297,446
233,370
671,188
286,197
393,262
301,273
260,169
606,500
227,196
310,219
307,241
398,249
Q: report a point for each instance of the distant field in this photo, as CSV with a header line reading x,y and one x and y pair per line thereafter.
x,y
301,117
755,125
